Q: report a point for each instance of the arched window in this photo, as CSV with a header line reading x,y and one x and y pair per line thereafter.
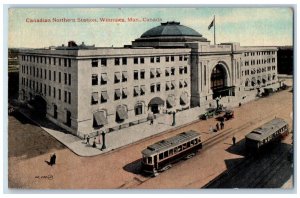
x,y
218,76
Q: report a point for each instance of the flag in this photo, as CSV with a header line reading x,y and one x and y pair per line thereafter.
x,y
211,24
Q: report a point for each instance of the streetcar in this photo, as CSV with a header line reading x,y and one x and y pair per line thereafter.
x,y
269,132
160,156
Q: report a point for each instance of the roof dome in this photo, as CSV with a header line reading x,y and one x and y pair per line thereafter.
x,y
170,29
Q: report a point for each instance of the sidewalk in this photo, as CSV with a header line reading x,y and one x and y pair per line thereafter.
x,y
126,136
118,138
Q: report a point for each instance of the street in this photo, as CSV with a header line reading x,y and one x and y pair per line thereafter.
x,y
30,148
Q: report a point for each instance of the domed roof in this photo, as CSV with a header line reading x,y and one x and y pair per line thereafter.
x,y
170,29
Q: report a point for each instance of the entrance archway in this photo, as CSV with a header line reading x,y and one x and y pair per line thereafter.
x,y
39,104
155,103
218,82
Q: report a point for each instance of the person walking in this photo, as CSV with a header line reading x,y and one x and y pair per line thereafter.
x,y
52,159
217,126
94,143
233,140
88,140
222,125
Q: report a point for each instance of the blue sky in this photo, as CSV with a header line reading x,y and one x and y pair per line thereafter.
x,y
249,26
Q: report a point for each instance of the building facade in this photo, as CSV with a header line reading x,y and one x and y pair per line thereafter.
x,y
171,67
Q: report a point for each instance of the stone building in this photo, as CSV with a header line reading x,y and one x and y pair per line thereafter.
x,y
171,67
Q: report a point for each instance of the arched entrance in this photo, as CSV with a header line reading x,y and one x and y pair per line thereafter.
x,y
155,103
218,83
39,104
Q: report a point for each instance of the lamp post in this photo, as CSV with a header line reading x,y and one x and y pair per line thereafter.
x,y
103,141
217,100
174,119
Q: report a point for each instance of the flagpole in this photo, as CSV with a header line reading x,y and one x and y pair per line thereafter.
x,y
214,30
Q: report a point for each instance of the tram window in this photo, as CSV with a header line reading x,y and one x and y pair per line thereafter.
x,y
179,148
188,144
175,150
149,160
196,141
144,159
184,146
161,156
171,152
166,154
264,141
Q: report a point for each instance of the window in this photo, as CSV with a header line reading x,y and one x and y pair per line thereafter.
x,y
158,87
69,101
54,92
69,62
69,79
94,62
54,75
124,76
173,84
138,109
117,77
94,79
117,94
59,61
172,71
104,96
54,61
158,72
185,58
160,156
135,60
167,86
135,75
166,154
152,73
185,70
142,74
157,59
172,58
152,88
59,94
167,58
135,91
65,62
143,90
45,89
142,60
124,61
124,93
181,70
152,59
167,71
103,78
66,78
66,96
49,90
49,74
94,99
59,77
103,61
117,61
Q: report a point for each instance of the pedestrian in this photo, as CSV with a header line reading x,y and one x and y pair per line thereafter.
x,y
52,159
88,140
217,126
233,140
222,125
151,121
94,143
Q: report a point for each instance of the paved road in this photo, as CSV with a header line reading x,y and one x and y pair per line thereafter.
x,y
30,147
